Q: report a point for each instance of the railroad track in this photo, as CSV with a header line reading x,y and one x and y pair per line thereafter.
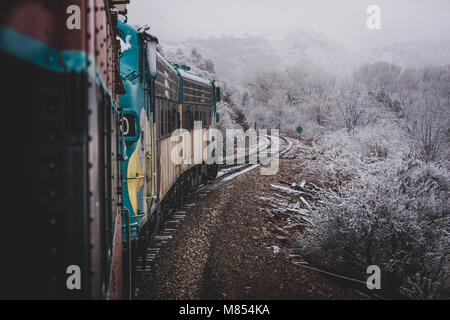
x,y
227,172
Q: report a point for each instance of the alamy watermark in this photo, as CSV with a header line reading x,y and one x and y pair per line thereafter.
x,y
73,22
207,145
374,281
73,281
374,20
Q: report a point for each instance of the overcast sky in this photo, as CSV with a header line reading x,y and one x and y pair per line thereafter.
x,y
344,21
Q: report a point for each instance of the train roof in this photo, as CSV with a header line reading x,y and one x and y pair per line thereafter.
x,y
132,31
166,62
194,77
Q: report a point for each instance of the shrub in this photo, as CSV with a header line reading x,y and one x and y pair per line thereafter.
x,y
389,212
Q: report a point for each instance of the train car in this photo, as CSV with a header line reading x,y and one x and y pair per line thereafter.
x,y
89,144
160,98
61,224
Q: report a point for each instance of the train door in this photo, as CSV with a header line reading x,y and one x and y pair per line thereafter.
x,y
151,158
142,148
147,160
151,165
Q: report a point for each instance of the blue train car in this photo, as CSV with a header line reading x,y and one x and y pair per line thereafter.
x,y
160,98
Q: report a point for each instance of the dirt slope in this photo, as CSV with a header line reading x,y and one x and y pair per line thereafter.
x,y
222,250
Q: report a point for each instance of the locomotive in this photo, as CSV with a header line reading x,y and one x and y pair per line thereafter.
x,y
88,133
161,98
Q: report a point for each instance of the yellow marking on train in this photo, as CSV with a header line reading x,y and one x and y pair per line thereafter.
x,y
135,178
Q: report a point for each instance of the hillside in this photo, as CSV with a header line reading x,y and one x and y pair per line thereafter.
x,y
236,58
410,54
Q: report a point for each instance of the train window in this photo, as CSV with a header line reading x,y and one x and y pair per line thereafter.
x,y
167,122
172,119
161,112
129,126
169,119
188,119
218,94
175,118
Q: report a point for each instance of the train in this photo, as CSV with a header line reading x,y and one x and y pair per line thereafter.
x,y
93,113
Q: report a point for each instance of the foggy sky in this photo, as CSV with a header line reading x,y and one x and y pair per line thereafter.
x,y
341,20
